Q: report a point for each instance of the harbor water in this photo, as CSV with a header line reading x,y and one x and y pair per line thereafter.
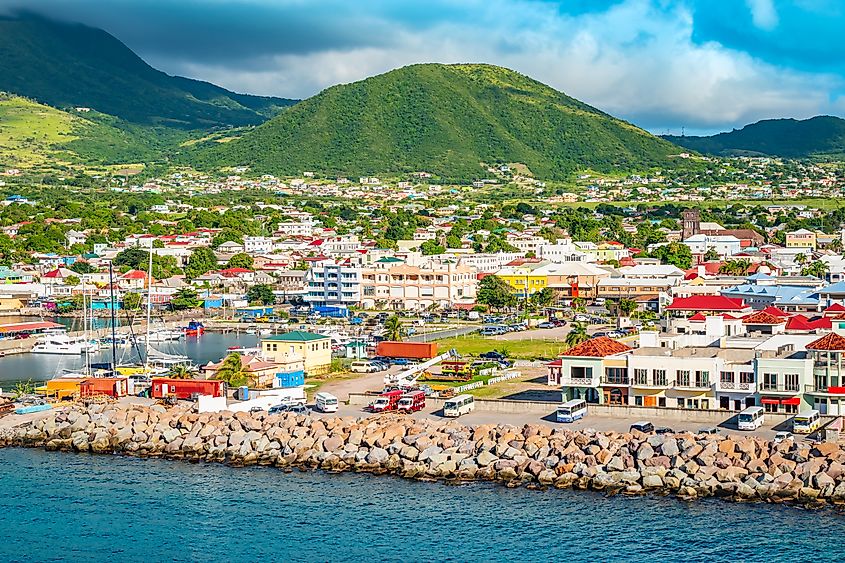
x,y
209,347
79,507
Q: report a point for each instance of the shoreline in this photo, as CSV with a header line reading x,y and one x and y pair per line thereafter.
x,y
534,456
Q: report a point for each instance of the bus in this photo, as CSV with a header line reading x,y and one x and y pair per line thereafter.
x,y
456,406
806,422
751,418
570,411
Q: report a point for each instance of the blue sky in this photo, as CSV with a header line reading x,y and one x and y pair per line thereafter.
x,y
705,65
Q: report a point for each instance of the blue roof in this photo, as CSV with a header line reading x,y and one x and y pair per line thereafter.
x,y
838,287
781,294
759,276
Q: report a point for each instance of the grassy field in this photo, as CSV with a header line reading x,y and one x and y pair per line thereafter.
x,y
473,345
814,203
29,131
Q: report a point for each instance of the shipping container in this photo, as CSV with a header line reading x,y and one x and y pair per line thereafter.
x,y
62,388
111,386
410,350
186,388
285,380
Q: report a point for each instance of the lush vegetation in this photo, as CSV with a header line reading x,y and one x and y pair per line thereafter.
x,y
446,119
819,136
69,65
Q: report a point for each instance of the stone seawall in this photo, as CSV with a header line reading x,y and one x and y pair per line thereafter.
x,y
535,455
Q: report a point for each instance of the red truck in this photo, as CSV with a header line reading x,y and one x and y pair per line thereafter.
x,y
409,350
411,402
387,401
186,388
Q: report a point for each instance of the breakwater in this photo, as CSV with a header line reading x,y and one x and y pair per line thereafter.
x,y
534,455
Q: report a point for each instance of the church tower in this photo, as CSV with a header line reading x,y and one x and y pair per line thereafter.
x,y
691,223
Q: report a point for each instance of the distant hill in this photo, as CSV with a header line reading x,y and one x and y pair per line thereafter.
x,y
789,138
70,65
445,119
34,135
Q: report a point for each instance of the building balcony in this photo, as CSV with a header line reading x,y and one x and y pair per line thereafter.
x,y
647,384
825,390
769,388
743,386
616,381
692,385
580,382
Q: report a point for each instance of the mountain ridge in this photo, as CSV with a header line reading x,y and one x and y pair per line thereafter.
x,y
71,65
445,119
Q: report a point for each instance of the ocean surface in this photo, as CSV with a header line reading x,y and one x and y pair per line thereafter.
x,y
210,346
74,507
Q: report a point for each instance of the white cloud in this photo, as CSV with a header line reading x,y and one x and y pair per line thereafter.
x,y
763,13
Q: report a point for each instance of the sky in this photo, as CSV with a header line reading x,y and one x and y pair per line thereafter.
x,y
700,66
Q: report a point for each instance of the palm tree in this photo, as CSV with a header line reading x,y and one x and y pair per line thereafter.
x,y
577,335
800,259
817,269
180,371
393,328
233,372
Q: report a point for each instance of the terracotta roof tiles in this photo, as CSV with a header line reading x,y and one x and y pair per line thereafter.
x,y
597,348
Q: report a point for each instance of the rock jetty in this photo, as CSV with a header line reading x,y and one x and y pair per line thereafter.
x,y
535,455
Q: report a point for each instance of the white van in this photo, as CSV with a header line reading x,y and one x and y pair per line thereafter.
x,y
751,418
456,406
362,366
325,402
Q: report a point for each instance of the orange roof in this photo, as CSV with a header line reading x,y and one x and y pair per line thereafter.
x,y
597,348
762,318
832,342
772,310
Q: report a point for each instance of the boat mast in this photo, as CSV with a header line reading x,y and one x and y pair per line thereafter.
x,y
111,306
85,339
149,308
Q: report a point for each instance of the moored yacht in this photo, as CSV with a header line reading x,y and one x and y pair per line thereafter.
x,y
61,344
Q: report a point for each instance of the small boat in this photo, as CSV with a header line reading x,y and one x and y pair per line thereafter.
x,y
194,328
32,409
162,335
244,350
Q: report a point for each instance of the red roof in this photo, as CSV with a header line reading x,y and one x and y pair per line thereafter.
x,y
26,327
135,275
798,322
57,273
762,318
706,303
597,348
701,317
235,271
822,323
832,342
776,312
835,308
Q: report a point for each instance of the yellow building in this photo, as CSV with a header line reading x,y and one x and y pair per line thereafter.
x,y
526,278
315,350
802,238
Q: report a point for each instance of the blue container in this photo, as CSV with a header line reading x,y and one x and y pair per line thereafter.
x,y
243,393
286,380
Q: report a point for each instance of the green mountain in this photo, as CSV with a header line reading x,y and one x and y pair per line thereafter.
x,y
821,136
37,136
444,119
69,65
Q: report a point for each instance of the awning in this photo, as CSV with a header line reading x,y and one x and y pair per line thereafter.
x,y
767,401
836,390
793,401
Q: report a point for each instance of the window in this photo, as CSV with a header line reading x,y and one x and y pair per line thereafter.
x,y
638,401
641,377
659,377
683,378
580,372
681,403
661,401
726,376
770,381
791,409
746,377
791,382
702,379
617,376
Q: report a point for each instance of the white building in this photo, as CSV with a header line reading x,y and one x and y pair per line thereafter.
x,y
724,245
258,245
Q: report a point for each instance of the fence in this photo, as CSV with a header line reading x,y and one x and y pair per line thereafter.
x,y
508,375
469,386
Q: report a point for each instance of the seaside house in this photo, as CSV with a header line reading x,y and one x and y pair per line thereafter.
x,y
313,350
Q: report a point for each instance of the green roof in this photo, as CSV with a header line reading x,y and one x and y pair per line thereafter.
x,y
296,336
388,259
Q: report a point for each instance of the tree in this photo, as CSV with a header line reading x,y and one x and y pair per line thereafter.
x,y
577,335
72,280
232,371
201,261
185,298
393,329
711,255
261,293
241,260
82,267
626,306
180,371
134,258
132,301
495,292
431,247
544,298
674,253
801,259
817,269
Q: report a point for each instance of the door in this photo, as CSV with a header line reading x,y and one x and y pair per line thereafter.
x,y
650,401
724,403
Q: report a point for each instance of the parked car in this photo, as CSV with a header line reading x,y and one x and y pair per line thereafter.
x,y
546,324
781,436
711,431
558,322
279,409
254,410
581,318
492,355
663,430
643,426
490,331
299,409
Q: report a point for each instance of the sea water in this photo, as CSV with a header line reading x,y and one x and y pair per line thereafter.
x,y
79,507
